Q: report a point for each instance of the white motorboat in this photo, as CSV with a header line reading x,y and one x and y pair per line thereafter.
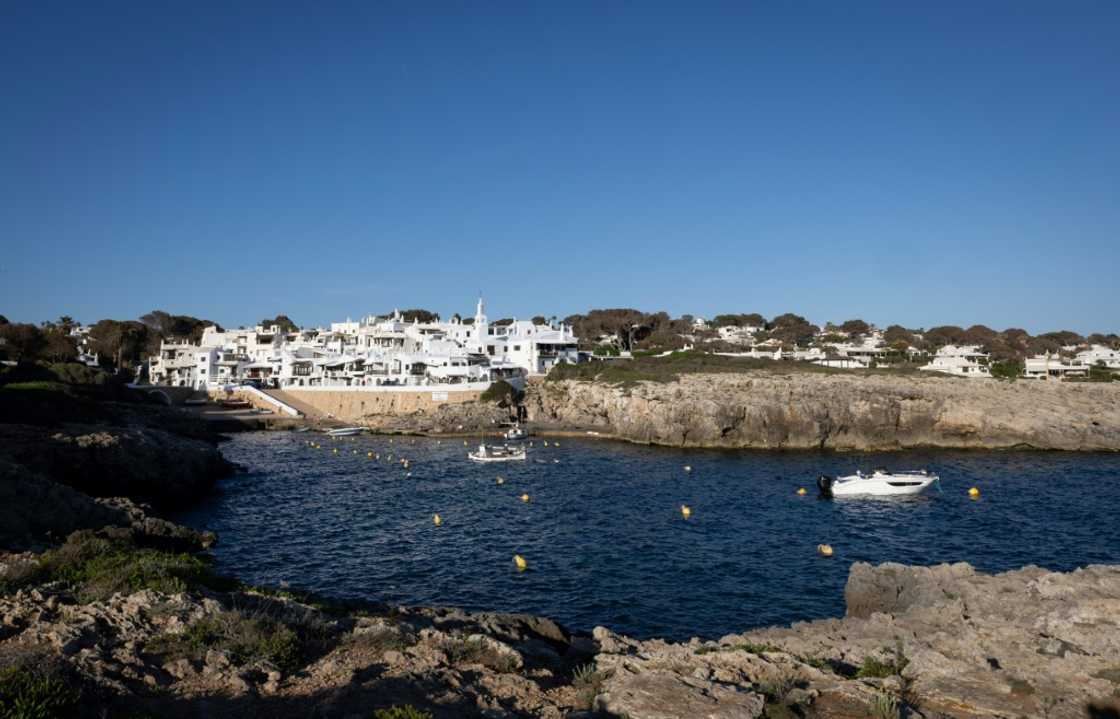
x,y
880,483
345,431
497,453
516,432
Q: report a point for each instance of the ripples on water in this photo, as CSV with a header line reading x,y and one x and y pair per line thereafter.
x,y
604,536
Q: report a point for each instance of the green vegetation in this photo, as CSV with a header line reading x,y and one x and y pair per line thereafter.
x,y
245,637
748,647
1010,369
403,711
874,668
500,391
96,566
37,386
628,372
885,706
478,651
33,685
589,682
23,695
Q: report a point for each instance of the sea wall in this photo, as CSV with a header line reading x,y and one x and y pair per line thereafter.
x,y
770,410
358,406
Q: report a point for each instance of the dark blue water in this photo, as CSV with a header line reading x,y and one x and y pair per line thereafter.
x,y
604,536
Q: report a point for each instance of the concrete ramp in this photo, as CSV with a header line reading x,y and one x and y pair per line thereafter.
x,y
300,406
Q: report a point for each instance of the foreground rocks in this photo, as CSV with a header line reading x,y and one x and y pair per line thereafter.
x,y
800,409
149,465
942,641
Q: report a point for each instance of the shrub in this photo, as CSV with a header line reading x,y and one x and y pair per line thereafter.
x,y
885,706
499,391
34,686
245,637
405,711
98,566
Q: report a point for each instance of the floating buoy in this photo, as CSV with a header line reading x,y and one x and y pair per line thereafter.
x,y
555,444
437,520
390,440
525,498
464,443
686,511
802,491
408,474
335,450
353,451
688,468
500,479
369,454
546,443
377,456
520,563
556,461
825,550
974,492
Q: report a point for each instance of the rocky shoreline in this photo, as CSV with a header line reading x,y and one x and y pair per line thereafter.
x,y
108,610
774,410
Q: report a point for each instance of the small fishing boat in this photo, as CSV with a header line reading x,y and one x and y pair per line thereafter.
x,y
345,431
516,432
497,453
880,483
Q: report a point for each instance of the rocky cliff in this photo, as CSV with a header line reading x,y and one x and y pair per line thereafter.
x,y
772,410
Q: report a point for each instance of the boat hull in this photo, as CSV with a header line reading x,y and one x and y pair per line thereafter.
x,y
877,485
511,458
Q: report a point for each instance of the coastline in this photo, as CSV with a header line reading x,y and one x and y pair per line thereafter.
x,y
155,631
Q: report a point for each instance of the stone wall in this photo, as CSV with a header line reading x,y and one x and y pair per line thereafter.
x,y
353,406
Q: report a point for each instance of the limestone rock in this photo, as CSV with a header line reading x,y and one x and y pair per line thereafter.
x,y
803,409
666,695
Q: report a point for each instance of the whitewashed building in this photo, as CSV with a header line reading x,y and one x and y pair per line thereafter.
x,y
961,361
369,353
1100,356
1053,366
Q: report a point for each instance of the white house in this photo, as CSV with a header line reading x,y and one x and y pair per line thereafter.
x,y
962,361
1053,366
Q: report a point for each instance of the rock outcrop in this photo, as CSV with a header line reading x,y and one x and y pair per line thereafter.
x,y
149,465
945,642
772,410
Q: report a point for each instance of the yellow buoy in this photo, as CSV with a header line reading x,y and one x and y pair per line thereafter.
x,y
369,454
546,443
335,450
500,479
520,563
555,444
688,468
686,511
464,443
525,498
437,520
973,492
802,491
825,550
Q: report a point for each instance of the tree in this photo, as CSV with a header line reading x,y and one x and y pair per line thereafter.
x,y
540,320
423,316
58,346
896,334
855,328
23,341
285,324
120,343
791,329
3,320
944,335
736,320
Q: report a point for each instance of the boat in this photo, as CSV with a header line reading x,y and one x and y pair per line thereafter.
x,y
516,432
345,431
497,453
880,483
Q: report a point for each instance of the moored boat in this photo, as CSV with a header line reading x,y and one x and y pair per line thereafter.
x,y
497,453
345,431
516,432
880,483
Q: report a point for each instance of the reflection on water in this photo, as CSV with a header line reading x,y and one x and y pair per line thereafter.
x,y
604,536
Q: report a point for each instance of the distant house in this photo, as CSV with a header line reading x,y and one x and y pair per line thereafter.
x,y
961,361
1100,356
1053,366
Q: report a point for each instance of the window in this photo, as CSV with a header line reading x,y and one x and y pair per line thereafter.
x,y
517,348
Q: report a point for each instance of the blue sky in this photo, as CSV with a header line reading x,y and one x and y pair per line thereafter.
x,y
918,163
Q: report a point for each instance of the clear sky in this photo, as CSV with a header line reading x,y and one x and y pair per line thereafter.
x,y
919,163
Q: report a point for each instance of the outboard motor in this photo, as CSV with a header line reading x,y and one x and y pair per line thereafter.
x,y
824,484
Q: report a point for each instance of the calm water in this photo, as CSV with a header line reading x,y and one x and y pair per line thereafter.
x,y
604,536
